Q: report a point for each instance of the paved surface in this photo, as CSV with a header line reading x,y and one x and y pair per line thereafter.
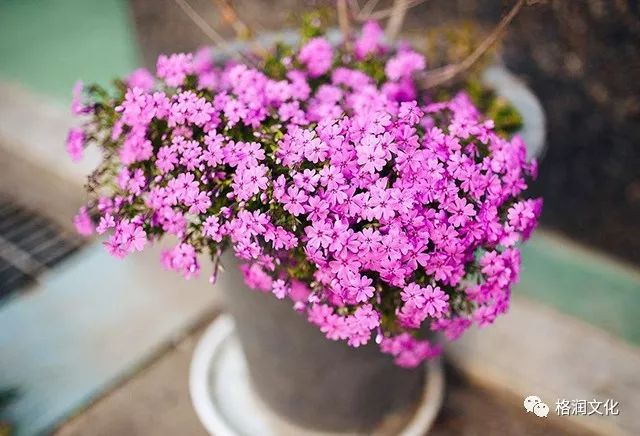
x,y
122,315
156,402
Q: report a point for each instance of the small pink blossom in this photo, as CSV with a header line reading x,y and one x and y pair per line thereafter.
x,y
404,64
140,78
370,41
175,68
279,289
317,55
77,105
83,223
75,144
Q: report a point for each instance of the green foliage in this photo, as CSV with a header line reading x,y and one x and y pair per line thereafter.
x,y
314,23
373,66
273,62
507,119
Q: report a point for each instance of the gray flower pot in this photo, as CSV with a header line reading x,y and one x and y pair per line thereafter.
x,y
311,381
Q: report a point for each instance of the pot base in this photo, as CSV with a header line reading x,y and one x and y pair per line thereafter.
x,y
227,406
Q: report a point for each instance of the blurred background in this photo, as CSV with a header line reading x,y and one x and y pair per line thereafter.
x,y
90,345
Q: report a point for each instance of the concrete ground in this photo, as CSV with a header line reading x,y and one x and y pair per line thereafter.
x,y
155,401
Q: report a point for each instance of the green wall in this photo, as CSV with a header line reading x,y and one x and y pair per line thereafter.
x,y
46,45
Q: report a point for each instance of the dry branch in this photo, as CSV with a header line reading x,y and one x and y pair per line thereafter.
x,y
384,13
398,13
230,16
343,20
447,73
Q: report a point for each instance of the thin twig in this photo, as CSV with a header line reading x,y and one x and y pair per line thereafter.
x,y
230,16
201,23
343,20
445,74
367,9
354,6
214,36
394,24
385,13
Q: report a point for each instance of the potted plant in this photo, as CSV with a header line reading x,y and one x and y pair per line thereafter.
x,y
367,215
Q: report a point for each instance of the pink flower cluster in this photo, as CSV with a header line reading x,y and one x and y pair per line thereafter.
x,y
377,212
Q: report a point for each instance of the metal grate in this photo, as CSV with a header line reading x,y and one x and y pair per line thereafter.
x,y
29,245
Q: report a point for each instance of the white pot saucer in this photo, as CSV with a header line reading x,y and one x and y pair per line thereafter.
x,y
227,406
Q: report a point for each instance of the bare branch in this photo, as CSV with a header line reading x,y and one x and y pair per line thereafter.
x,y
202,24
385,13
354,6
445,74
398,12
367,9
230,16
343,20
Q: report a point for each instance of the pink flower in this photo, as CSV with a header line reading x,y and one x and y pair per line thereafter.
x,y
294,201
140,78
83,223
362,288
77,105
211,228
299,291
182,258
279,289
315,150
250,181
523,216
317,55
413,293
200,203
256,278
132,236
106,222
371,155
75,144
167,159
461,211
175,68
319,234
435,301
370,40
403,65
